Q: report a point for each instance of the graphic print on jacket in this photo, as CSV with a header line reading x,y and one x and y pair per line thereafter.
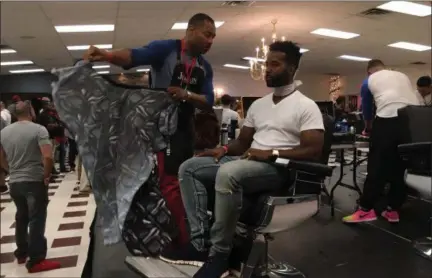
x,y
117,128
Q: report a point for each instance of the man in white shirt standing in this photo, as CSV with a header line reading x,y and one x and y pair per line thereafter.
x,y
424,88
391,90
284,124
228,114
5,114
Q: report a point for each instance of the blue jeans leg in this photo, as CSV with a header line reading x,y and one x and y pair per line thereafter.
x,y
235,179
195,175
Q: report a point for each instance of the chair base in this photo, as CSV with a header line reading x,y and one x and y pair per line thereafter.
x,y
278,269
423,247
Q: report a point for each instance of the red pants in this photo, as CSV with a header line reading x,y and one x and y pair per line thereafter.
x,y
170,189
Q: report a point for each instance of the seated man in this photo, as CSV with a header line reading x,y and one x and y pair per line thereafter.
x,y
284,124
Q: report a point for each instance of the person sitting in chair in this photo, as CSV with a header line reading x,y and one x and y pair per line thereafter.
x,y
284,124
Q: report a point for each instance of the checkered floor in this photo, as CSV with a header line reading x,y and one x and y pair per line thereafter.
x,y
67,230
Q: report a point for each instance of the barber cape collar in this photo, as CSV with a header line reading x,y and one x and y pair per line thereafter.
x,y
288,89
118,128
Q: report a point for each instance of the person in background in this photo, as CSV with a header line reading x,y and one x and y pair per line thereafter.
x,y
11,107
228,114
179,66
3,168
424,88
27,150
5,114
50,120
73,150
391,90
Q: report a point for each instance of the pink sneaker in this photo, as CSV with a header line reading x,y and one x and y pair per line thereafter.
x,y
360,216
392,216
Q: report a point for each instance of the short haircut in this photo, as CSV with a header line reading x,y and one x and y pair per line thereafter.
x,y
22,108
375,63
226,99
291,50
424,81
199,19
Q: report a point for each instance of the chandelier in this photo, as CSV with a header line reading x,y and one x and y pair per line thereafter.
x,y
257,63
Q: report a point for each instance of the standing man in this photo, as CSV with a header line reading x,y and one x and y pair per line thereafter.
x,y
27,149
179,66
391,90
424,88
49,118
5,114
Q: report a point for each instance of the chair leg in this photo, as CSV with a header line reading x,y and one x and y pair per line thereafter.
x,y
256,255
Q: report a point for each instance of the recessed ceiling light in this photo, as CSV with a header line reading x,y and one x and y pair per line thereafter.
x,y
16,63
26,71
406,7
143,70
103,72
84,28
183,25
410,46
235,66
101,67
334,33
7,51
354,58
85,47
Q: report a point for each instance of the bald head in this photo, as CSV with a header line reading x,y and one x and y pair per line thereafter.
x,y
23,109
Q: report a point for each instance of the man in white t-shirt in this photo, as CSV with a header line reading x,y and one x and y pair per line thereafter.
x,y
284,124
5,114
228,114
390,90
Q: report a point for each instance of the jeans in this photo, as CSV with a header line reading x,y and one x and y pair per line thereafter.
x,y
31,200
232,178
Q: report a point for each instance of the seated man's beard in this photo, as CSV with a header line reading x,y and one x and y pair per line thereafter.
x,y
279,80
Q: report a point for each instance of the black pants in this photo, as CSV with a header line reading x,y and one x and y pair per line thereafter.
x,y
73,152
62,156
385,165
31,200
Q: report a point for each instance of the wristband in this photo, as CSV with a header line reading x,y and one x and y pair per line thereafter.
x,y
225,149
109,56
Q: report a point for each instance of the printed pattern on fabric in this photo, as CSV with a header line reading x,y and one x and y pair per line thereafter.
x,y
117,129
148,227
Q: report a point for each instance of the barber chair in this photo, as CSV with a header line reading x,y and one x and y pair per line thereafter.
x,y
282,212
418,154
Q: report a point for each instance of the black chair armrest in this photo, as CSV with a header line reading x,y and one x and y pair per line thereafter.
x,y
415,147
315,168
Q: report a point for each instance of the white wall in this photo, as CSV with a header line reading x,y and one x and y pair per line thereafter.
x,y
316,86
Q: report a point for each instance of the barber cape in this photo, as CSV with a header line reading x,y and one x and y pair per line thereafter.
x,y
118,128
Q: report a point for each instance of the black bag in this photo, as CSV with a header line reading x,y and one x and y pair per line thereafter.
x,y
148,227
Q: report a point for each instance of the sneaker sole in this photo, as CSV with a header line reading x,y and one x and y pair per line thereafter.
x,y
360,221
181,262
190,263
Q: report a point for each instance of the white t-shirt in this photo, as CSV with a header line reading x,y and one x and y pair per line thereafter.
x,y
425,100
6,116
278,126
228,115
391,91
